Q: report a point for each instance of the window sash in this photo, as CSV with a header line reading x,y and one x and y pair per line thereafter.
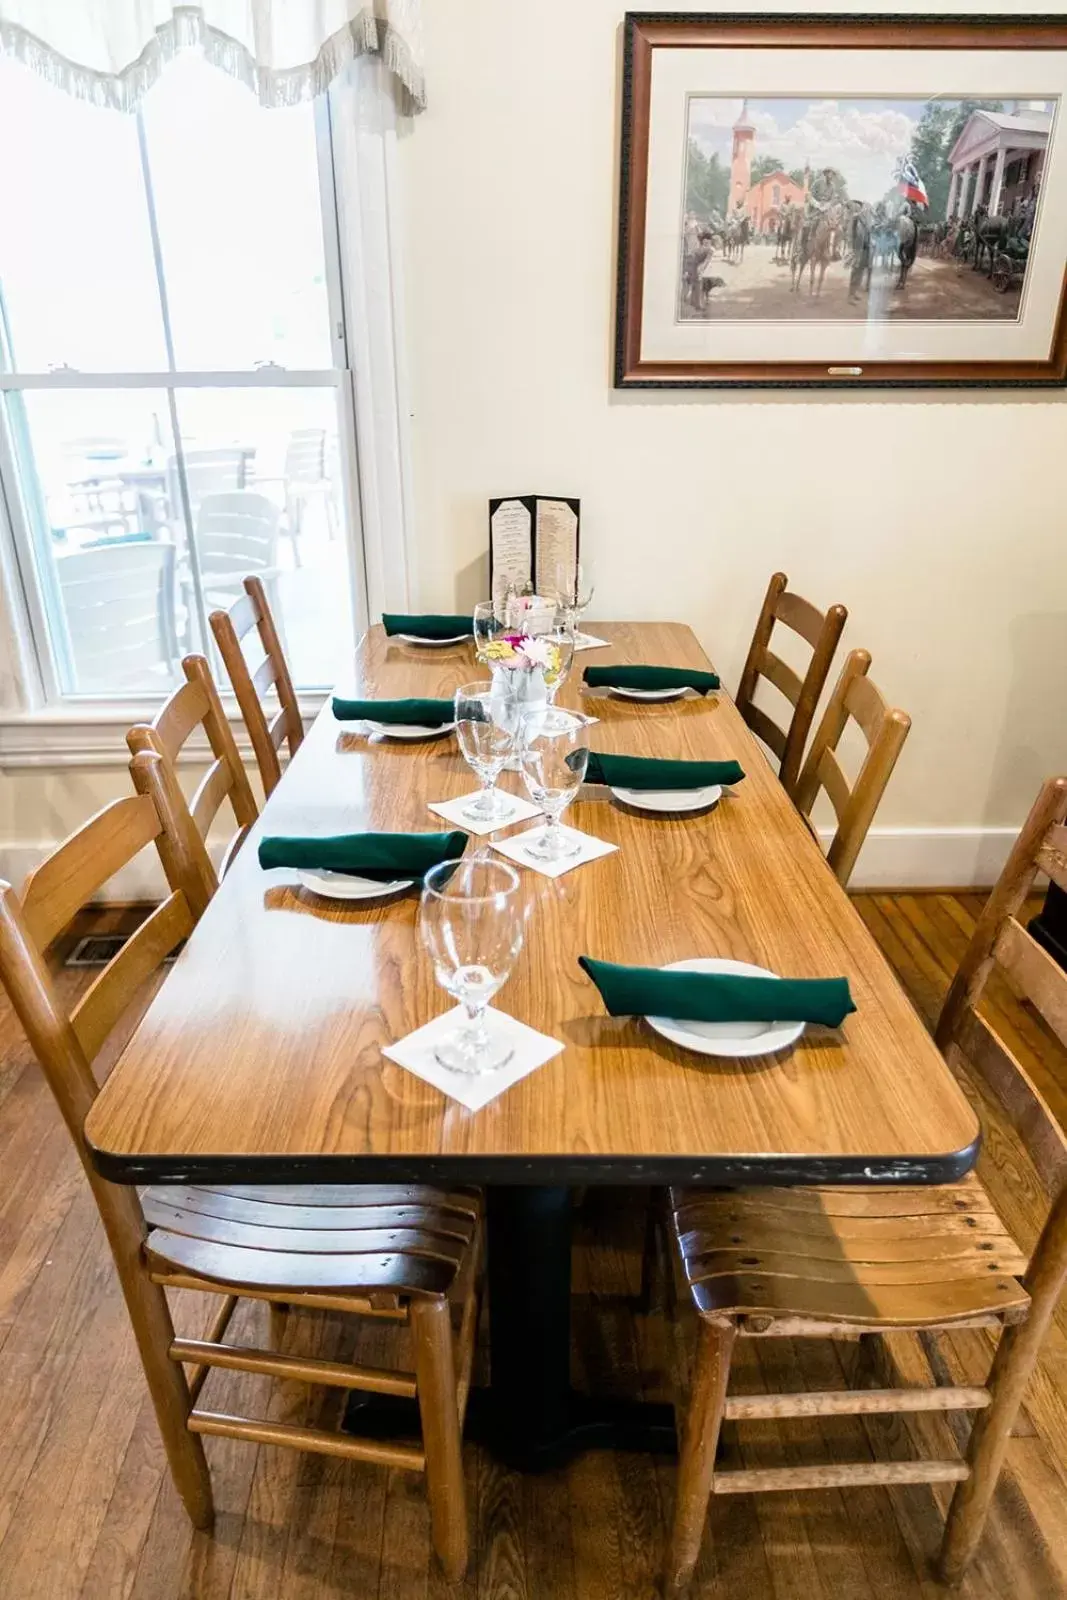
x,y
43,690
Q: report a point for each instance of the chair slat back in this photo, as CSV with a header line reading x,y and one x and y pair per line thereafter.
x,y
999,939
103,1004
854,698
178,718
1039,835
230,628
800,615
118,605
66,1043
83,863
1034,973
236,532
1053,857
195,705
823,633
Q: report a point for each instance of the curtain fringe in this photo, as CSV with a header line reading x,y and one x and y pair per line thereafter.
x,y
366,34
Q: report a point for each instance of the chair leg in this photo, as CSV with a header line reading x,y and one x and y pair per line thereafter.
x,y
696,1466
279,1317
435,1380
153,1328
1010,1373
154,1331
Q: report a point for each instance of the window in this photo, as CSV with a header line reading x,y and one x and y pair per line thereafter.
x,y
173,377
776,194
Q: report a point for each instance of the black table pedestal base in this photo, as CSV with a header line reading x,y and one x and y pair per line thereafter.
x,y
591,1422
530,1417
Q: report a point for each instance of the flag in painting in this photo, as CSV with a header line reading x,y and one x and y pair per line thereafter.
x,y
910,184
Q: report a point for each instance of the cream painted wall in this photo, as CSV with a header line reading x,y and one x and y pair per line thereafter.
x,y
937,519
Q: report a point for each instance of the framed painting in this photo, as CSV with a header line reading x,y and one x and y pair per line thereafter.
x,y
854,201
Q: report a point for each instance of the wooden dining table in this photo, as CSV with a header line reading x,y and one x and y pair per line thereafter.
x,y
260,1059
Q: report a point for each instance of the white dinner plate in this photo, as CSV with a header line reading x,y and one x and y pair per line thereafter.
x,y
346,886
726,1038
648,694
409,730
660,800
434,644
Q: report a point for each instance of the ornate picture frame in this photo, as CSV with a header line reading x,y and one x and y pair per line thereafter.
x,y
842,201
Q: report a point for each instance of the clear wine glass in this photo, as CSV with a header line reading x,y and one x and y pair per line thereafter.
x,y
488,623
553,761
574,585
562,639
472,923
487,742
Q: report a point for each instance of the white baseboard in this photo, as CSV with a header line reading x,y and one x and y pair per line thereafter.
x,y
892,858
930,858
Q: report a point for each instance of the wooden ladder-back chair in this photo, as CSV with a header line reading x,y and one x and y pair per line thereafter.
x,y
230,628
407,1254
833,1262
195,705
855,697
822,633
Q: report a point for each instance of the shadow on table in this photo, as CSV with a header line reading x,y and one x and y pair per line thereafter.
x,y
631,1033
294,897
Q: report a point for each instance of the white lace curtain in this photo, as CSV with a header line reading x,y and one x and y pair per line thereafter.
x,y
110,52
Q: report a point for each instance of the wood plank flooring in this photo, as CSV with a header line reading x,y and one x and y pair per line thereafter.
x,y
87,1511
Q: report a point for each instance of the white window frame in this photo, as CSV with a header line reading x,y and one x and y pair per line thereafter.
x,y
40,726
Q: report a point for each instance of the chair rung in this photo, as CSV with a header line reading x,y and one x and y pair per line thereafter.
x,y
756,1479
303,1299
303,1369
848,1403
382,1453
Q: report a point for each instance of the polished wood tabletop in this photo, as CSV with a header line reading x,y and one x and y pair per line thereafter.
x,y
260,1058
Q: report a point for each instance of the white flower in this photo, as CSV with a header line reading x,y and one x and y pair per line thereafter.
x,y
538,652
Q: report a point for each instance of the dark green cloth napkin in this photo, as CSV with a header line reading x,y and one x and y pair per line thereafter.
x,y
718,996
415,713
644,772
432,627
650,678
378,856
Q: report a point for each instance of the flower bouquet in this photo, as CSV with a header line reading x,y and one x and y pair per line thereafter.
x,y
519,652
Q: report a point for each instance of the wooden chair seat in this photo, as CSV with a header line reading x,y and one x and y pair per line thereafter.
x,y
869,1258
358,1239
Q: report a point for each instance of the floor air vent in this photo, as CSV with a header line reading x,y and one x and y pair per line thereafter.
x,y
97,949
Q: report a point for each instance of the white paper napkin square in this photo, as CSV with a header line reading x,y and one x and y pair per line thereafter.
x,y
589,641
590,850
452,811
415,1054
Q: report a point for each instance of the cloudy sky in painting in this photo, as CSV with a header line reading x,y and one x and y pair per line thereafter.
x,y
864,139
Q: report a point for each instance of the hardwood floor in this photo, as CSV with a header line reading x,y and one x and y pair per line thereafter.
x,y
87,1512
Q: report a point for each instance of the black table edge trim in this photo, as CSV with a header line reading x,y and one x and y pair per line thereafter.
x,y
548,1170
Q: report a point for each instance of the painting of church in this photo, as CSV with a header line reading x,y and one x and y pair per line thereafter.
x,y
762,202
766,198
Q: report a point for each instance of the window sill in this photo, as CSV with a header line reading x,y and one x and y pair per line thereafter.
x,y
94,734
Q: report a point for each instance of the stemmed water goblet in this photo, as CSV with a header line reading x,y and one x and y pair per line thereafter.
x,y
488,623
562,639
471,921
574,587
487,741
553,760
